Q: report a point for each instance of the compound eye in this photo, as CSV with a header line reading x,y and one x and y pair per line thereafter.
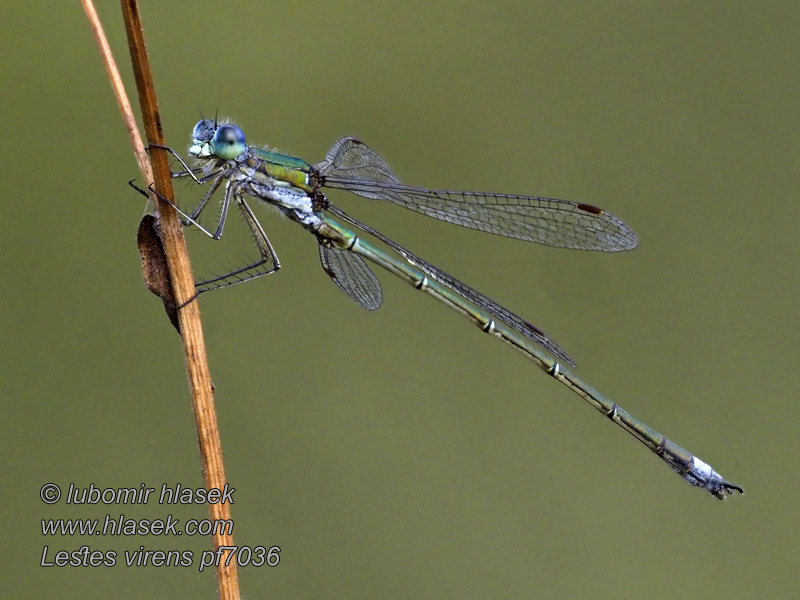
x,y
228,142
204,131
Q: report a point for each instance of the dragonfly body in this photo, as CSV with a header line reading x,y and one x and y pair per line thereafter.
x,y
294,187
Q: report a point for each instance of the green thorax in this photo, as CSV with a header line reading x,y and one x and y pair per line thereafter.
x,y
291,169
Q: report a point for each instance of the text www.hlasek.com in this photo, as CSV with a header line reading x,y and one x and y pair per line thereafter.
x,y
123,526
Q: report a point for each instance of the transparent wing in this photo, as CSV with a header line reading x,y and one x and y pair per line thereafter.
x,y
352,166
352,275
493,308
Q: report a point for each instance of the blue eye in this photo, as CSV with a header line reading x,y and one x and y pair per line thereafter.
x,y
228,142
204,131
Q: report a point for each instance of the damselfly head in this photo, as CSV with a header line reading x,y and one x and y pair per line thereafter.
x,y
213,140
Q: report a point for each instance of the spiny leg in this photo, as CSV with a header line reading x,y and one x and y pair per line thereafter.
x,y
246,273
217,178
268,262
188,171
190,219
206,197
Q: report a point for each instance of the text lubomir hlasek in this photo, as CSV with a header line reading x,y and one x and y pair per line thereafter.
x,y
176,494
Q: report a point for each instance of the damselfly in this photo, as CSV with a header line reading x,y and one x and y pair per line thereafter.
x,y
294,187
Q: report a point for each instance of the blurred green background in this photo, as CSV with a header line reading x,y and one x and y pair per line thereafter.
x,y
402,454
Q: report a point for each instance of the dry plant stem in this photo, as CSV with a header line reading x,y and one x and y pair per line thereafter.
x,y
180,269
119,90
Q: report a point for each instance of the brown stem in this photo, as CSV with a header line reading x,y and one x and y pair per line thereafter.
x,y
177,257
